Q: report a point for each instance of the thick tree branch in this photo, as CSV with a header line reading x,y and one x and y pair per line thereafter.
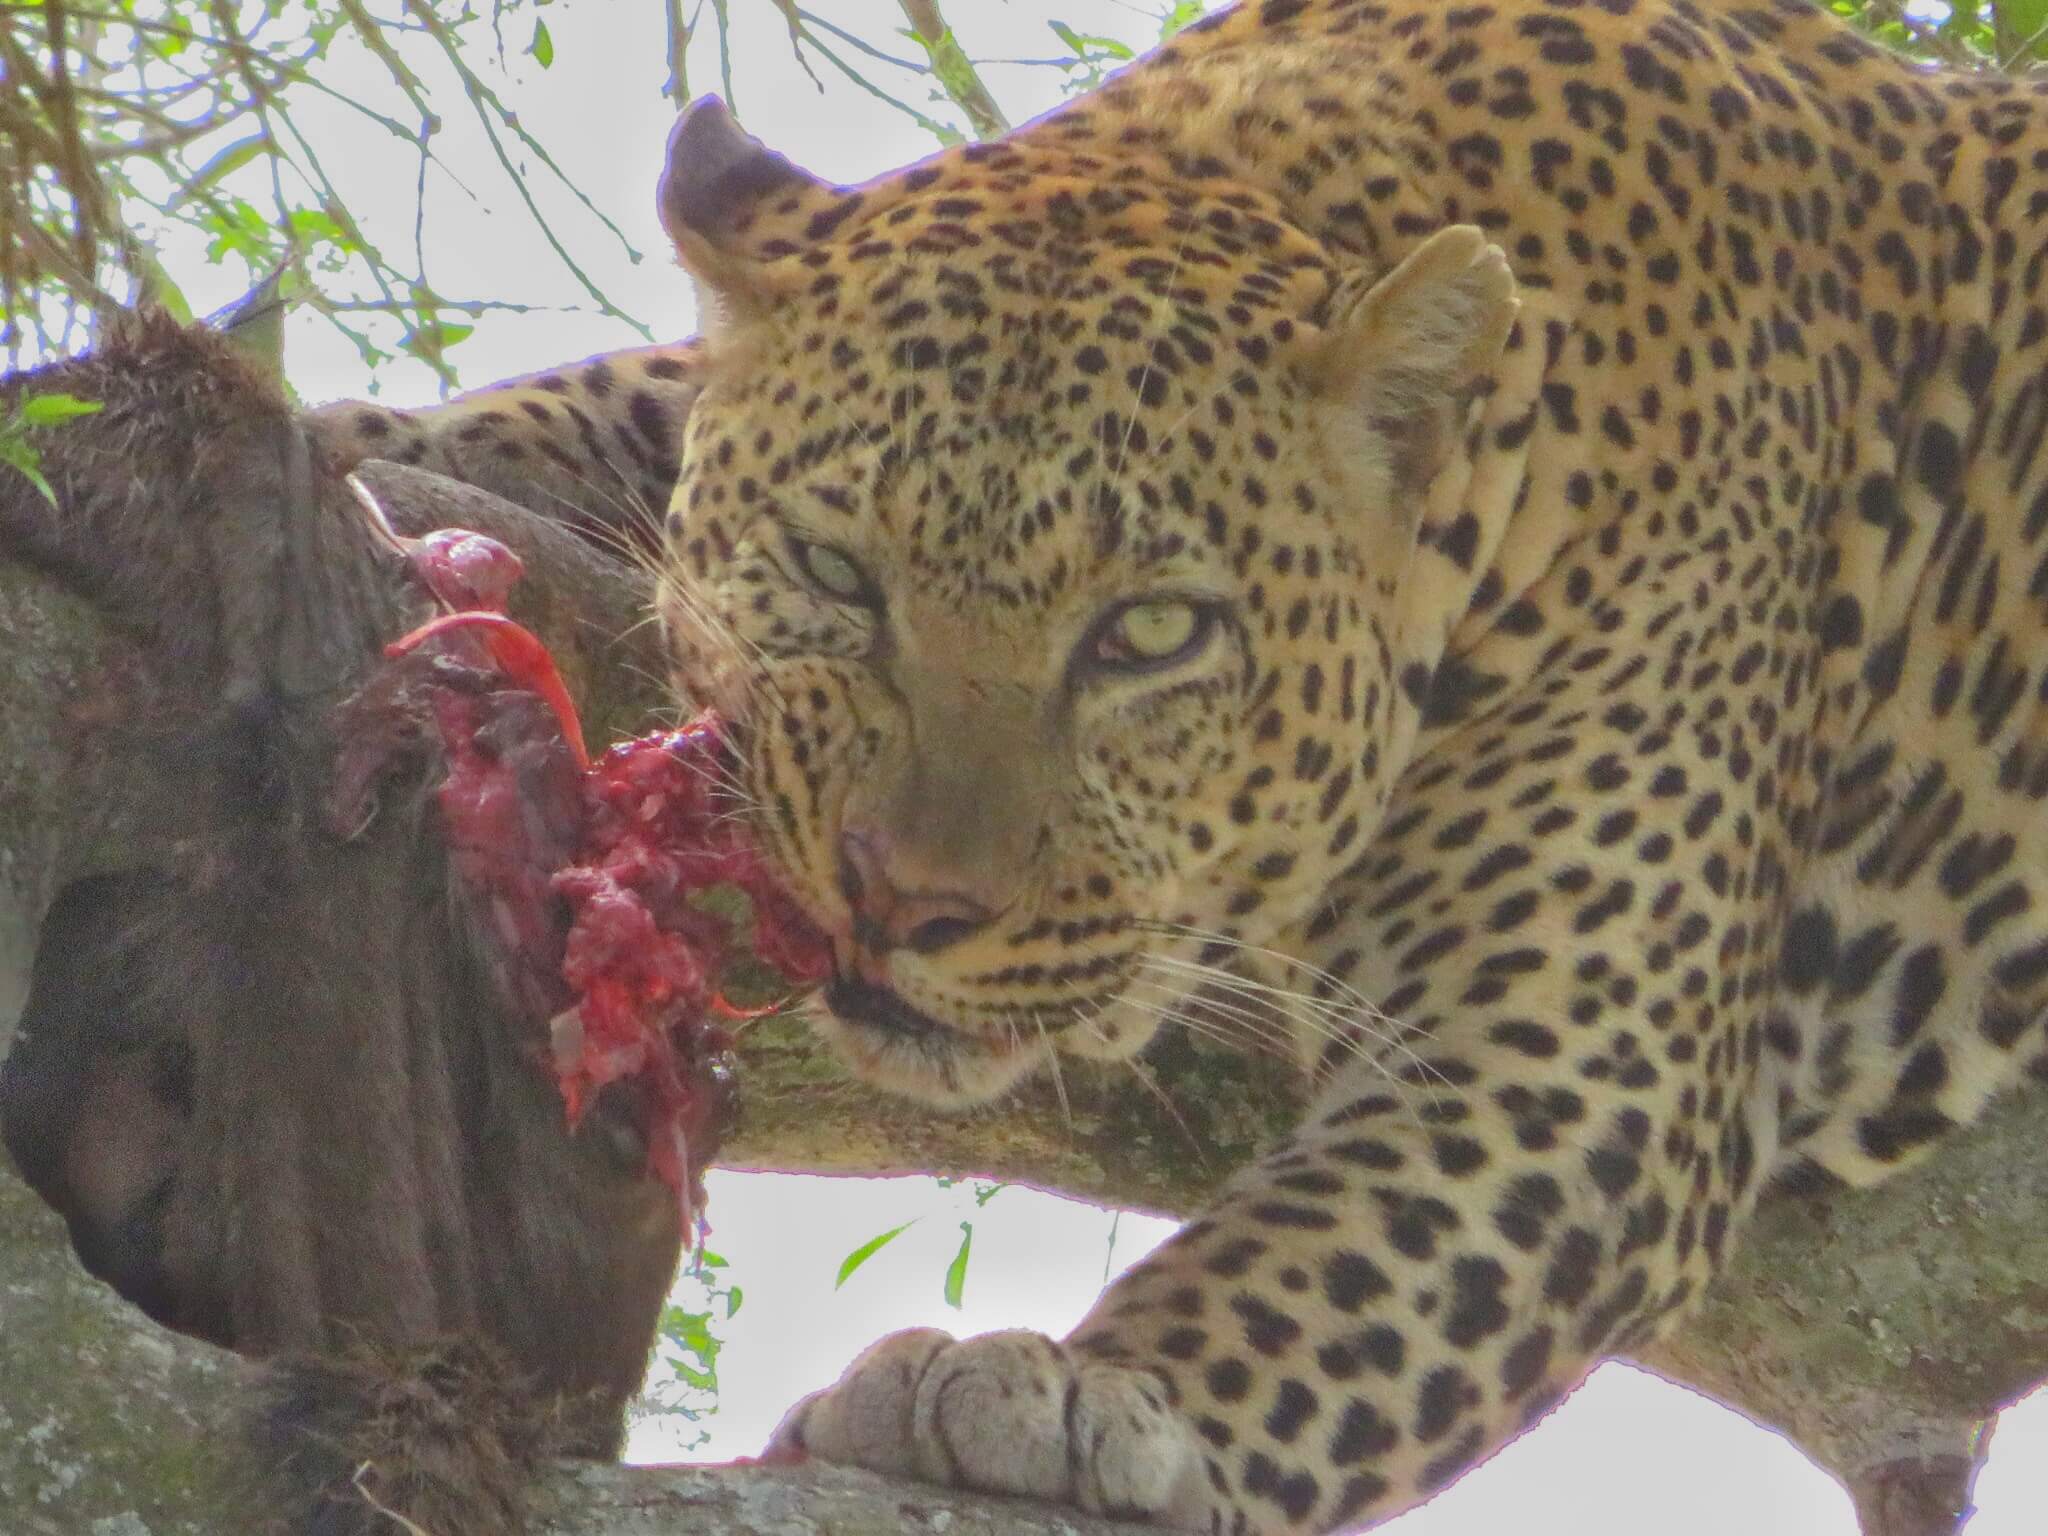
x,y
114,1426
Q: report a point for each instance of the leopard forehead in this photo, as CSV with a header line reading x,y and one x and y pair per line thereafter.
x,y
1019,441
1016,387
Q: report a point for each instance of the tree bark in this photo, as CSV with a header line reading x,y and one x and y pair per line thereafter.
x,y
1881,1330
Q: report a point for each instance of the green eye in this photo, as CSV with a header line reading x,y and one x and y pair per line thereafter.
x,y
1150,634
832,572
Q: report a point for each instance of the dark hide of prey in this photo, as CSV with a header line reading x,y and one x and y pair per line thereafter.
x,y
269,1076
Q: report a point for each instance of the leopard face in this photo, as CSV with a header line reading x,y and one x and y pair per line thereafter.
x,y
1054,579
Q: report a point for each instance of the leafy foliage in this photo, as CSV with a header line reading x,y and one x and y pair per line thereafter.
x,y
18,452
683,1381
149,125
142,135
868,1250
2007,34
954,1286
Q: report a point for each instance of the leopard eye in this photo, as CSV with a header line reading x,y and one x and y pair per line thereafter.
x,y
1158,632
831,572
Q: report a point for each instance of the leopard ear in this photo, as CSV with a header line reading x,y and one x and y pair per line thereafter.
x,y
1403,352
717,179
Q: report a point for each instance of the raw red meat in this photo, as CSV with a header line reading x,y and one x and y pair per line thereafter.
x,y
643,961
630,981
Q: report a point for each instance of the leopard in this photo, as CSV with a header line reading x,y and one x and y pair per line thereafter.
x,y
1497,542
594,444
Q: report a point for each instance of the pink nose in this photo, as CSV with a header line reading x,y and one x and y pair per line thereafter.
x,y
888,916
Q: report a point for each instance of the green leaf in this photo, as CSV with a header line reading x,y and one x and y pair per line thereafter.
x,y
49,410
689,1330
1178,16
160,289
543,46
2026,23
239,229
433,337
38,411
869,1249
316,226
956,1272
1085,44
16,453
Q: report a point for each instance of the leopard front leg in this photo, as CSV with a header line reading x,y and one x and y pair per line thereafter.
x,y
1455,1233
1365,1314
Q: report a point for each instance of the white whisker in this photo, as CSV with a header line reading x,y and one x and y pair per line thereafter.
x,y
1390,1031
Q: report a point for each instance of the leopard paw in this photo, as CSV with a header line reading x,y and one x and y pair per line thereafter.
x,y
1010,1412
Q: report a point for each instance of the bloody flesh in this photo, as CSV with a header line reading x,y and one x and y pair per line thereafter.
x,y
642,959
631,981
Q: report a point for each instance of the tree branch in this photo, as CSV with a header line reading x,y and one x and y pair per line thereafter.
x,y
74,167
121,1427
677,86
955,72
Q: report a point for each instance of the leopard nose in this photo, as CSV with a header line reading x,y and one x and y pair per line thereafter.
x,y
892,908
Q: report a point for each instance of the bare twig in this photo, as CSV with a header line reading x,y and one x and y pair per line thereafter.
x,y
405,310
372,37
944,133
860,44
722,15
486,102
74,167
792,20
955,72
101,110
677,86
162,142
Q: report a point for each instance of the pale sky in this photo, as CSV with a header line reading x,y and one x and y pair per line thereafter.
x,y
1627,1454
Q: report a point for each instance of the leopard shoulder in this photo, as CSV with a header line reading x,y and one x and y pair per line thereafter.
x,y
594,443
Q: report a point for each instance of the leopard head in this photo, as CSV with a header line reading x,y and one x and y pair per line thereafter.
x,y
1043,526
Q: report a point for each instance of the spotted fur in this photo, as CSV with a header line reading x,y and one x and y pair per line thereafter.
x,y
595,443
1597,444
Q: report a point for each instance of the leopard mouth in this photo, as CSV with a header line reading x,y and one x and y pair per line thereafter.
x,y
887,1041
882,1010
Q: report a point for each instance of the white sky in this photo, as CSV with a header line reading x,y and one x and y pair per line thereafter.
x,y
1627,1454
